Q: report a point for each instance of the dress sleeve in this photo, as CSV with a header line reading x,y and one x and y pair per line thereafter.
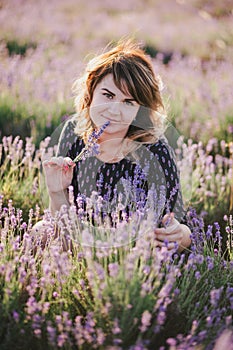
x,y
166,158
68,140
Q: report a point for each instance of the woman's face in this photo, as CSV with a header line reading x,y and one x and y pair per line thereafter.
x,y
110,104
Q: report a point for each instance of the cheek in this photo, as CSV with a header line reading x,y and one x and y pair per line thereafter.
x,y
97,100
93,114
97,105
96,112
130,115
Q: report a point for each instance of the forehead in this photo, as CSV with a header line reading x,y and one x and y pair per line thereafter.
x,y
108,83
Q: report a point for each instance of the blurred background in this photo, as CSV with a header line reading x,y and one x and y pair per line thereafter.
x,y
44,46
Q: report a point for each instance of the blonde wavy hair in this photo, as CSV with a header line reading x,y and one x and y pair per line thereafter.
x,y
132,74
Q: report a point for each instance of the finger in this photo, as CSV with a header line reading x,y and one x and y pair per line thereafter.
x,y
171,245
68,165
160,231
45,163
168,245
171,238
49,164
173,228
158,243
56,161
167,219
68,161
53,161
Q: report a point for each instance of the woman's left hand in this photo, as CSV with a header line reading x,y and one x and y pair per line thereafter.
x,y
171,234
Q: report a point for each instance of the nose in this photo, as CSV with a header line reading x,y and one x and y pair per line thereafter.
x,y
114,108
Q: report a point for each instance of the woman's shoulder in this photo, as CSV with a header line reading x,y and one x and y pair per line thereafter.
x,y
162,148
69,124
68,139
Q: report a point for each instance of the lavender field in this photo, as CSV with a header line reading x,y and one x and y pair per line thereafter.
x,y
120,297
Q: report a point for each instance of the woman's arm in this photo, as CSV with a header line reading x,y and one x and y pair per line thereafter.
x,y
59,169
174,230
186,239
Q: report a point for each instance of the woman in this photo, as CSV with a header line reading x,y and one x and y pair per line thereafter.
x,y
119,90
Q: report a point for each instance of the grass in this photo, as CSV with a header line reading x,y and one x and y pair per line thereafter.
x,y
14,47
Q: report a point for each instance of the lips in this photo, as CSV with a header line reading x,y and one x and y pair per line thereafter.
x,y
111,120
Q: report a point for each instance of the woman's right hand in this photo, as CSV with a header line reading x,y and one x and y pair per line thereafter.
x,y
58,173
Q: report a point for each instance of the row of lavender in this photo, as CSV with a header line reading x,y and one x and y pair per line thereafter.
x,y
126,297
39,63
206,174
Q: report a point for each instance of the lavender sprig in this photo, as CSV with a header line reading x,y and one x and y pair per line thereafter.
x,y
91,147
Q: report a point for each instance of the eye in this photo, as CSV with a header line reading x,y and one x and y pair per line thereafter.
x,y
129,103
109,96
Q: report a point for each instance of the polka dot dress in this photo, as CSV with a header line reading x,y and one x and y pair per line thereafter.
x,y
154,168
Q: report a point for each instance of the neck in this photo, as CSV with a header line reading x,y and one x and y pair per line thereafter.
x,y
110,145
110,150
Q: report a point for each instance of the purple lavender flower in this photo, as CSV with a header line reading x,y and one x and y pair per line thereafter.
x,y
116,329
145,320
215,296
51,333
113,269
91,147
16,316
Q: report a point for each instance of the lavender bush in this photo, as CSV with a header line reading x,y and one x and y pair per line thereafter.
x,y
100,297
36,86
206,179
110,298
210,169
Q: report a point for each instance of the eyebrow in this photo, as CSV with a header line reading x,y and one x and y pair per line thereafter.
x,y
111,93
